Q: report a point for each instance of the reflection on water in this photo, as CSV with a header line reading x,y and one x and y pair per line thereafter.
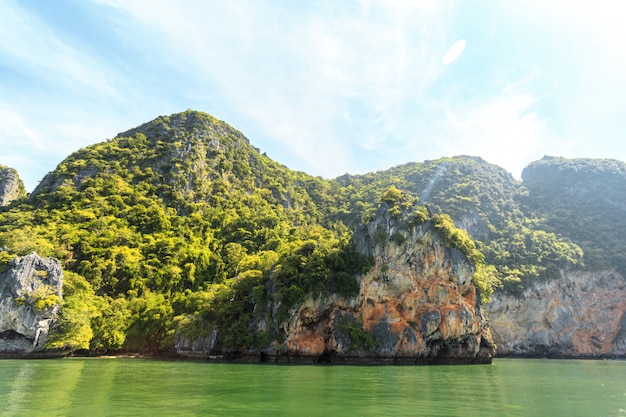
x,y
123,387
18,389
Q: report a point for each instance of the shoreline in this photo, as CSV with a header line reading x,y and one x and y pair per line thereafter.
x,y
294,359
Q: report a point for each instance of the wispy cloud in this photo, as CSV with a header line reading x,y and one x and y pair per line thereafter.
x,y
56,95
454,52
13,128
314,84
326,87
581,51
29,45
506,130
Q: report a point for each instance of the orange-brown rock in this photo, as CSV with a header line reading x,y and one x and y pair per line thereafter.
x,y
417,304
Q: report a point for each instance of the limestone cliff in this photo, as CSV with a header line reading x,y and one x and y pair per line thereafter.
x,y
417,305
30,298
580,315
11,186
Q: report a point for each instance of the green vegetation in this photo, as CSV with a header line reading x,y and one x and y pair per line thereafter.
x,y
173,225
180,225
487,203
74,330
456,238
352,329
585,201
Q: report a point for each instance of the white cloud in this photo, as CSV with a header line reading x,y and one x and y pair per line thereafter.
x,y
454,52
30,45
328,87
13,128
35,144
586,60
53,94
505,130
314,84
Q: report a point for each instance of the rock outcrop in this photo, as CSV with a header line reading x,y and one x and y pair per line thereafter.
x,y
30,299
417,305
580,315
11,186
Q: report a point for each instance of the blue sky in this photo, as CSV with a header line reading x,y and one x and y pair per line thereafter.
x,y
325,87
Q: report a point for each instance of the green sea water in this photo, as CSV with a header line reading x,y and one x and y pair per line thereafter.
x,y
133,387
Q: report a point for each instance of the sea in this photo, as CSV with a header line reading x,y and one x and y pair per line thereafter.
x,y
90,387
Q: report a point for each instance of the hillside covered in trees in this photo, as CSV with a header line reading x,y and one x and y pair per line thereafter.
x,y
182,220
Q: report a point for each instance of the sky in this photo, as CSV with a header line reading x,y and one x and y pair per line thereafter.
x,y
326,87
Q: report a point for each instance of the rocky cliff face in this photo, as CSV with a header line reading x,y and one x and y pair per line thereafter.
x,y
30,298
580,315
11,186
417,305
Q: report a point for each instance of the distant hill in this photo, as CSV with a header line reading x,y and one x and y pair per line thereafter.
x,y
585,201
484,200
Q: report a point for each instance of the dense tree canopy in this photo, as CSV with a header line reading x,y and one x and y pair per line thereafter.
x,y
585,201
174,218
482,199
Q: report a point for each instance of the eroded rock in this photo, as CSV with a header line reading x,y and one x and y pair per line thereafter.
x,y
30,299
579,315
416,305
11,186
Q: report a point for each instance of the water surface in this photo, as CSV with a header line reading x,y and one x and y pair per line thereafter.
x,y
132,387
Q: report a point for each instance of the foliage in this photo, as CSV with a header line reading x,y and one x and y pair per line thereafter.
x,y
177,210
456,238
583,200
181,225
486,280
397,238
359,338
151,315
322,263
110,325
5,259
486,276
486,202
391,196
73,328
227,308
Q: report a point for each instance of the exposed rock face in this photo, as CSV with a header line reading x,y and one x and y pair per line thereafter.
x,y
580,315
11,186
417,305
30,298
